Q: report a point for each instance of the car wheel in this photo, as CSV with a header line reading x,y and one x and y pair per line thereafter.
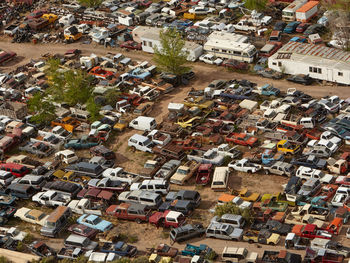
x,y
266,172
250,241
271,244
138,220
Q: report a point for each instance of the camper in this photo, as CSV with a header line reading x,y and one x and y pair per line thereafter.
x,y
143,123
288,13
220,179
307,12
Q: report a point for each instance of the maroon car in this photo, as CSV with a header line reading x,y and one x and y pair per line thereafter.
x,y
83,230
36,14
302,27
131,45
234,64
6,56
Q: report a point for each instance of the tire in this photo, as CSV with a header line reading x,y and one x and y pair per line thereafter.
x,y
102,41
271,244
138,220
250,241
266,172
133,148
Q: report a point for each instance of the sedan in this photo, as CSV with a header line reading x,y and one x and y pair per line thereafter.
x,y
95,222
235,64
301,79
131,45
302,27
83,230
313,29
270,73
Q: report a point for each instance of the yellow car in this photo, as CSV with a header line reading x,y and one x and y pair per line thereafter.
x,y
154,258
121,125
246,195
185,123
287,148
51,17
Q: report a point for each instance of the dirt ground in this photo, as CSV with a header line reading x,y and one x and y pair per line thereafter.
x,y
149,236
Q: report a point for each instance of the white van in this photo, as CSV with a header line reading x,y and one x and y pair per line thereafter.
x,y
220,179
143,123
159,186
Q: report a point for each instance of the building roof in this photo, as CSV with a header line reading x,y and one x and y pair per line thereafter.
x,y
308,6
314,54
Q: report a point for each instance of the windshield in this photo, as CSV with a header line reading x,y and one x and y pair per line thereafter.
x,y
182,171
96,221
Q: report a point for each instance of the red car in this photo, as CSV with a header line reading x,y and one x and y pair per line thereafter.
x,y
342,179
83,230
346,156
242,139
6,56
14,168
328,191
235,64
167,218
302,27
131,45
36,14
100,73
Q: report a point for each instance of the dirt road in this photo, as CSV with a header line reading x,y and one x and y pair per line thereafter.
x,y
205,73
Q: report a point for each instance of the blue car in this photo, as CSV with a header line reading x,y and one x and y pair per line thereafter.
x,y
298,39
95,222
269,90
139,73
120,248
269,157
261,64
290,28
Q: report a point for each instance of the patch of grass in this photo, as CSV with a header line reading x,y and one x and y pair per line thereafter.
x,y
28,238
164,235
128,238
199,187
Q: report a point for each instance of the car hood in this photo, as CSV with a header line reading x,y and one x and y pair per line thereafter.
x,y
236,233
327,178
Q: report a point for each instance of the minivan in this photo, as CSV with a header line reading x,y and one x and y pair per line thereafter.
x,y
80,242
143,123
160,186
151,199
220,179
56,221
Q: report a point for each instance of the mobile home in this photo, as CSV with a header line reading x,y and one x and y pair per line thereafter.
x,y
231,46
289,13
307,12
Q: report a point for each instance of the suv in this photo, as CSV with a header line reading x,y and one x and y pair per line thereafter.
x,y
224,231
280,168
186,232
231,219
141,143
6,178
188,195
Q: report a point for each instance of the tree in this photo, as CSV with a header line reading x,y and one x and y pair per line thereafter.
x,y
339,21
91,3
258,5
112,96
43,109
171,56
93,109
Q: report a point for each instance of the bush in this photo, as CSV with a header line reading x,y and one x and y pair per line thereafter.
x,y
28,238
230,208
4,260
20,246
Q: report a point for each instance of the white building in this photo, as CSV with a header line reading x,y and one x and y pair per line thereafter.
x,y
318,61
149,37
231,46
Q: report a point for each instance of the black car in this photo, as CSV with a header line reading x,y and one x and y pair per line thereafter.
x,y
279,25
277,227
301,79
313,29
310,161
182,206
293,185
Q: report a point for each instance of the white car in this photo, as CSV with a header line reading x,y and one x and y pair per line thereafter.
x,y
33,216
13,232
210,59
341,196
327,135
332,147
307,173
241,203
66,156
200,10
331,107
244,165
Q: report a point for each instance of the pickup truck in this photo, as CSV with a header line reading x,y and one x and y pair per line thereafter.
x,y
263,237
308,209
245,26
158,137
84,142
184,172
119,174
13,233
210,156
225,150
167,218
51,198
310,231
293,241
11,29
303,220
192,250
68,123
25,161
134,212
108,184
242,139
39,149
277,256
84,206
51,140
